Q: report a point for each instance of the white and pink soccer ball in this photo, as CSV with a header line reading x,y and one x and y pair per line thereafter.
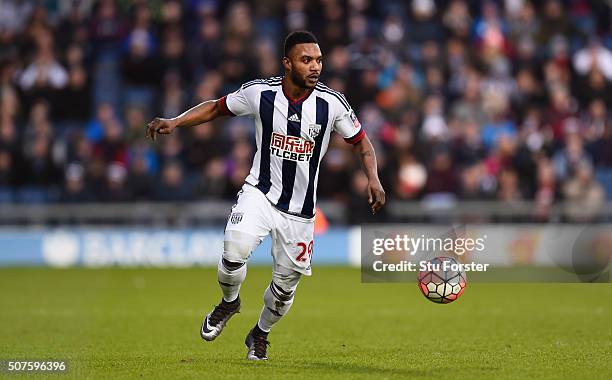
x,y
442,284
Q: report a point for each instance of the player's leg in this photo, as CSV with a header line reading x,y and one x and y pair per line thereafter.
x,y
278,298
246,228
291,251
231,271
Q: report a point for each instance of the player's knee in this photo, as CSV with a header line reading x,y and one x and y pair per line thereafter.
x,y
278,297
231,273
237,247
286,281
236,252
283,285
278,301
232,265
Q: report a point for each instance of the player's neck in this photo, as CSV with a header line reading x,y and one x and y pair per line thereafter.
x,y
293,92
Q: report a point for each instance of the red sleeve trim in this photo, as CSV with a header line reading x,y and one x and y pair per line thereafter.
x,y
355,139
222,104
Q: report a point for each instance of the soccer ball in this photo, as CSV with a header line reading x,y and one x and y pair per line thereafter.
x,y
442,280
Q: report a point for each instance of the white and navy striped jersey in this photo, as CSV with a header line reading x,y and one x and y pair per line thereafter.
x,y
292,136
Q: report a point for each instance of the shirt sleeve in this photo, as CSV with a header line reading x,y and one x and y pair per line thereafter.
x,y
236,103
348,126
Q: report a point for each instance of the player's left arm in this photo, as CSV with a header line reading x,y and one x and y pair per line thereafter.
x,y
376,195
349,127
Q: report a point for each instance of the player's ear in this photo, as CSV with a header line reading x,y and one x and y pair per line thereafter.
x,y
286,63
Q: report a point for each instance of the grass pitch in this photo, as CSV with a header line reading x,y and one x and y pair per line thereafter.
x,y
133,323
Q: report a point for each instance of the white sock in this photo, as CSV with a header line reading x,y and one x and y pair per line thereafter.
x,y
277,303
231,275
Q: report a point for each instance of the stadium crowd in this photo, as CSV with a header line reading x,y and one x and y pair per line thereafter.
x,y
476,100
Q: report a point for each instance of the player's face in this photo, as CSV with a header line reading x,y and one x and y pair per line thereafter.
x,y
304,64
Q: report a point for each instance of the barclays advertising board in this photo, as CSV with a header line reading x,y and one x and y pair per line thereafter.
x,y
102,247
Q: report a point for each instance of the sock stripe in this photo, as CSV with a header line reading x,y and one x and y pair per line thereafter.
x,y
274,293
280,293
274,312
231,265
281,289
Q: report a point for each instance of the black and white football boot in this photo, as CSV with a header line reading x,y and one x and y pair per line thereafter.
x,y
216,320
257,345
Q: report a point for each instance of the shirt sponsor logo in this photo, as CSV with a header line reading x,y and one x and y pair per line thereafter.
x,y
291,148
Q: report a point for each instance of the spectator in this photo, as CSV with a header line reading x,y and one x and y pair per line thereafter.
x,y
422,24
7,170
40,169
337,167
555,22
135,119
141,183
434,126
206,49
94,129
73,27
112,147
213,182
499,124
412,177
173,149
583,194
468,107
75,106
44,77
116,189
174,60
594,57
457,19
140,66
508,189
171,185
174,97
474,184
441,174
573,155
107,30
546,193
602,147
204,145
75,188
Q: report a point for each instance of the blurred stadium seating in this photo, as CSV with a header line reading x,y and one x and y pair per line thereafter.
x,y
482,110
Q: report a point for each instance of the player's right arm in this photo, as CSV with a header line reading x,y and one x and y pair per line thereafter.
x,y
234,104
202,113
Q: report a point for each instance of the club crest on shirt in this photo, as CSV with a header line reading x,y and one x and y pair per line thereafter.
x,y
236,217
314,130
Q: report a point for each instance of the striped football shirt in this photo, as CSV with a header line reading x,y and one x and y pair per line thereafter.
x,y
292,136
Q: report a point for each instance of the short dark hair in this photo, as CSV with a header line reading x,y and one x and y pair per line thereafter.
x,y
298,37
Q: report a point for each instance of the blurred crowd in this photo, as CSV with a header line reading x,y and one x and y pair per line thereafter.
x,y
464,100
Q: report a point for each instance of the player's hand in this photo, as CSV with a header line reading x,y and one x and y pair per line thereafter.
x,y
376,195
161,126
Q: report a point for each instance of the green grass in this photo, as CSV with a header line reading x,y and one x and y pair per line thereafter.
x,y
133,323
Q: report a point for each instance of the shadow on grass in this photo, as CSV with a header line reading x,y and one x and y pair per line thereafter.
x,y
342,368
